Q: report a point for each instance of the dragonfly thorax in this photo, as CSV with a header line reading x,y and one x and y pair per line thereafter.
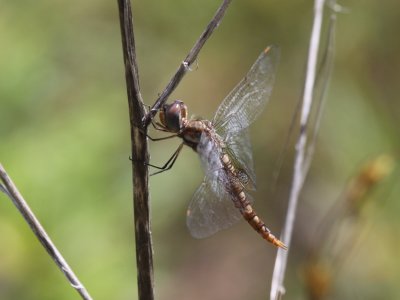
x,y
173,115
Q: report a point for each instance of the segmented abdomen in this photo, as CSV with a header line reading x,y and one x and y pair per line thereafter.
x,y
242,202
218,165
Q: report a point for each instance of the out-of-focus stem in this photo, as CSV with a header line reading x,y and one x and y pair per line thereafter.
x,y
277,287
12,192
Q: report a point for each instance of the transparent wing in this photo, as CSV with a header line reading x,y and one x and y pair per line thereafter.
x,y
210,157
210,210
239,149
247,100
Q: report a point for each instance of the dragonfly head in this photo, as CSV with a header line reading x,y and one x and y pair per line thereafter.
x,y
172,115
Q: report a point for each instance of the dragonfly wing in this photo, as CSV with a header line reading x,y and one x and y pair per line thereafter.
x,y
210,156
210,210
247,100
239,149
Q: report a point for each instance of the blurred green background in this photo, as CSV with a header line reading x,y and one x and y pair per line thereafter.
x,y
64,139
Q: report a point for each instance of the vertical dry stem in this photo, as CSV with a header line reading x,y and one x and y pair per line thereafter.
x,y
277,287
144,248
139,121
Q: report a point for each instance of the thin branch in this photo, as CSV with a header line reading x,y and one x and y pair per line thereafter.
x,y
144,247
12,192
187,62
140,154
321,87
277,287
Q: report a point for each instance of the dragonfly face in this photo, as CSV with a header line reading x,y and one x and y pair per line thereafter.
x,y
172,116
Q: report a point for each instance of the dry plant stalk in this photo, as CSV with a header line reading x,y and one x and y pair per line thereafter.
x,y
138,124
303,150
140,155
10,189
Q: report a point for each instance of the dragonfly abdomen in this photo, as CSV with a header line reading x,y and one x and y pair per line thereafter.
x,y
237,187
250,215
242,202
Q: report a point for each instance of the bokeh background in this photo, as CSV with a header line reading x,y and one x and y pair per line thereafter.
x,y
64,139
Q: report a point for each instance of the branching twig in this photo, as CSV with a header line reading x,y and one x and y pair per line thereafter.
x,y
186,63
12,192
139,122
277,288
144,248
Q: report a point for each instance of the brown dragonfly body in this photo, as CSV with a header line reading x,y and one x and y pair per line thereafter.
x,y
225,152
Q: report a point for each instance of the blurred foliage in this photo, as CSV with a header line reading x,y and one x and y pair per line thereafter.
x,y
64,138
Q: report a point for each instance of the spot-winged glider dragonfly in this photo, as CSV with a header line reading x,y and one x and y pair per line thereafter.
x,y
224,148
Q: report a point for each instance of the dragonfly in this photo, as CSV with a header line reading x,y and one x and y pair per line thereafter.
x,y
224,148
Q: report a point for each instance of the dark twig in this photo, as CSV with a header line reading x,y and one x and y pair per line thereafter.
x,y
12,192
144,248
139,122
187,62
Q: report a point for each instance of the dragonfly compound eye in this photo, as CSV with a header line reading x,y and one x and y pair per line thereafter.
x,y
173,114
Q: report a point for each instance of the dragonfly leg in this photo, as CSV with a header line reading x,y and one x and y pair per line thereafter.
x,y
156,125
157,139
163,138
169,164
136,160
160,127
150,114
